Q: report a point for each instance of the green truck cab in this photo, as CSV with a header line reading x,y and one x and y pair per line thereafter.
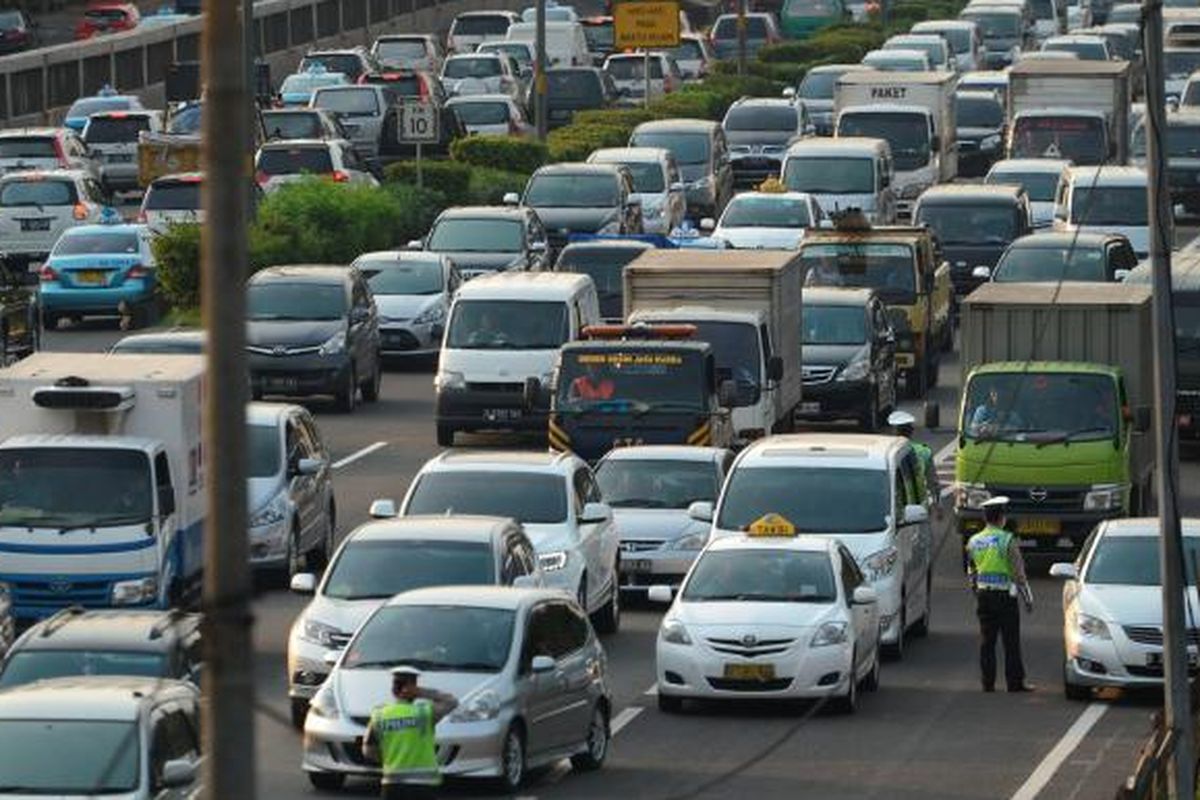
x,y
904,266
1062,435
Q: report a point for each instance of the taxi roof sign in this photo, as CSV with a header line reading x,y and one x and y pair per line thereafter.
x,y
771,525
646,24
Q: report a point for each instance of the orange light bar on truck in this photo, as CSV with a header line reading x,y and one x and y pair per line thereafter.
x,y
639,331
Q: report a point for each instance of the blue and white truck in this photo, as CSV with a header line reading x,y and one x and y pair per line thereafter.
x,y
102,491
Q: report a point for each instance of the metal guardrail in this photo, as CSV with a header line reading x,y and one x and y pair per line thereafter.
x,y
36,87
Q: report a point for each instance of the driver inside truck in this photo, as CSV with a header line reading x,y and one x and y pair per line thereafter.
x,y
824,272
591,386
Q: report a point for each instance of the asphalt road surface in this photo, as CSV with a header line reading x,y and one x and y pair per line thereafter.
x,y
928,733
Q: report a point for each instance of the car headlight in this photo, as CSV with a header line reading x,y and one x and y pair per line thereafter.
x,y
334,345
704,183
553,561
449,381
128,593
272,513
478,707
435,313
830,633
912,191
989,142
880,564
692,541
548,380
858,369
672,631
1104,497
323,703
319,633
971,495
1090,626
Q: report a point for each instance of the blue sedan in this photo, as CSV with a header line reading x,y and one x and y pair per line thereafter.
x,y
100,270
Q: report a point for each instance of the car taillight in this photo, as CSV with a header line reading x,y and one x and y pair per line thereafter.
x,y
136,271
261,178
340,176
141,216
47,274
60,154
80,211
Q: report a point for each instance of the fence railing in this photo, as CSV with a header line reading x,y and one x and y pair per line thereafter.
x,y
1149,779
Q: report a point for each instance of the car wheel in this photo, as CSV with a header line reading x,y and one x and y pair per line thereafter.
x,y
347,396
598,737
669,704
848,702
870,420
608,619
512,759
50,321
896,651
445,436
293,562
319,558
327,781
370,389
921,626
871,682
299,712
1074,691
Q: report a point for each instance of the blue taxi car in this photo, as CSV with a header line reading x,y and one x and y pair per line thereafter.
x,y
100,270
297,89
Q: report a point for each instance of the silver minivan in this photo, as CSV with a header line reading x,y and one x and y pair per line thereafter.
x,y
844,172
112,137
361,110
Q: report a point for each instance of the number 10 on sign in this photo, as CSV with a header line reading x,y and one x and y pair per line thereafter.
x,y
418,125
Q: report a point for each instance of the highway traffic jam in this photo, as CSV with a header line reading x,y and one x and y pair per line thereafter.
x,y
771,389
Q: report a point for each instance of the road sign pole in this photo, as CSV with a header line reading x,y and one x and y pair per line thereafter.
x,y
420,176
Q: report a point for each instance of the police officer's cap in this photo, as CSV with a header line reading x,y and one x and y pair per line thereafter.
x,y
411,673
995,502
901,419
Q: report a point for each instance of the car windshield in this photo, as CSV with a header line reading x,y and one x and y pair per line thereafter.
x,y
173,196
798,9
776,575
688,50
958,38
978,112
566,190
376,570
1109,205
1079,139
348,101
656,482
484,25
889,268
480,67
187,120
27,147
773,211
600,38
474,235
818,85
263,450
688,148
1050,264
1040,407
1133,561
402,278
762,118
69,488
347,64
1040,187
433,639
508,325
726,28
834,324
630,68
294,160
486,112
11,19
996,26
813,499
1181,63
1183,141
275,301
20,192
69,757
605,380
531,498
81,244
958,223
291,125
115,130
850,175
908,134
92,105
400,51
27,666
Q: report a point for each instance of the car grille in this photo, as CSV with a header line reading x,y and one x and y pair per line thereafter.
x,y
282,351
513,388
760,647
1152,634
54,593
399,340
640,545
740,685
1039,499
811,376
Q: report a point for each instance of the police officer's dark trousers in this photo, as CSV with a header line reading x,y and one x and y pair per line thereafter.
x,y
999,615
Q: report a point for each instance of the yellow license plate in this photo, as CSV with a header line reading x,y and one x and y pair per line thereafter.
x,y
1039,527
94,277
750,672
905,360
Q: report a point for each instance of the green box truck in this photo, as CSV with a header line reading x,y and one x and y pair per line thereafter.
x,y
1056,386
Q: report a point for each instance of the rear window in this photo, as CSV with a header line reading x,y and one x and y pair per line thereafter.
x,y
480,26
400,50
292,126
403,85
27,147
345,63
627,69
348,101
38,193
111,130
582,84
756,28
481,67
291,160
173,196
488,113
107,243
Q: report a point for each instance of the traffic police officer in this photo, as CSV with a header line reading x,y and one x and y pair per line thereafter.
x,y
905,425
997,574
400,736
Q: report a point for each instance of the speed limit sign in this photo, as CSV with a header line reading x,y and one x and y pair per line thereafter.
x,y
418,122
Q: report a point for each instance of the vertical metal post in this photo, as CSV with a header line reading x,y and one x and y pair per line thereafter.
x,y
539,73
228,704
250,42
741,37
1176,690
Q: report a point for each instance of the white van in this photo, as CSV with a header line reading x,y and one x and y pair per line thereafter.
x,y
841,173
1105,200
472,28
501,344
862,489
566,45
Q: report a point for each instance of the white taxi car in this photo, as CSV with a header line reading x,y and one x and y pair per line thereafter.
x,y
769,613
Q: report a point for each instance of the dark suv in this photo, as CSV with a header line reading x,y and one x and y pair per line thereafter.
x,y
759,130
313,330
76,641
583,198
571,89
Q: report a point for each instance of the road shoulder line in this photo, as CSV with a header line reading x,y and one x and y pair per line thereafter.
x,y
1070,740
356,455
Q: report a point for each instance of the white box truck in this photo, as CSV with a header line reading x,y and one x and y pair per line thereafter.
x,y
1071,109
914,113
102,496
746,304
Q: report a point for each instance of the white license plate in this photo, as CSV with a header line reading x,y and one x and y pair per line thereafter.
x,y
501,414
281,384
637,565
1156,659
35,224
810,408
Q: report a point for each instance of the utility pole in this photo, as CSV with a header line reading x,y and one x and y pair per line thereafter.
x,y
741,33
1177,689
251,55
539,73
228,699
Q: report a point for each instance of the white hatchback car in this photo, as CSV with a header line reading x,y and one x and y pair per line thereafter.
x,y
36,207
656,184
556,498
766,220
279,163
413,291
496,114
769,614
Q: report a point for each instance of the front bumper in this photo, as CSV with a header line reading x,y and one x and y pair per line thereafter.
x,y
641,569
497,408
306,667
834,400
298,375
751,170
1119,661
58,298
695,671
268,544
410,340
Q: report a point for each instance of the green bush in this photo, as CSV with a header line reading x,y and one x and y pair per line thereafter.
x,y
576,142
832,45
488,186
631,117
507,152
177,258
450,178
782,72
416,209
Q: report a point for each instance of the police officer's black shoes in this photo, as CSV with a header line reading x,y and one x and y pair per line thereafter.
x,y
987,688
1022,687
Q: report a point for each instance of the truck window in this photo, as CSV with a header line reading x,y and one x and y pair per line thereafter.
x,y
162,471
1041,407
888,268
1082,140
594,379
64,487
908,134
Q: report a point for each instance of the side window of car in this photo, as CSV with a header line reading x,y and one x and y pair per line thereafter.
x,y
1126,258
311,435
576,629
173,737
851,577
579,485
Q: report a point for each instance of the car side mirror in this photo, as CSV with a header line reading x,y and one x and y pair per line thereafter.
x,y
678,186
775,368
541,665
383,508
416,244
307,466
511,199
1120,275
727,393
708,224
595,513
789,92
659,594
166,501
178,773
701,511
1063,570
914,514
537,246
982,273
303,583
864,596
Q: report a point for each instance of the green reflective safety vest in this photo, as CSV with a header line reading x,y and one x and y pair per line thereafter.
x,y
407,749
925,460
988,551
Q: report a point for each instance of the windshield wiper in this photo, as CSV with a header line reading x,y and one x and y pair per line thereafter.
x,y
124,519
469,666
396,662
1068,435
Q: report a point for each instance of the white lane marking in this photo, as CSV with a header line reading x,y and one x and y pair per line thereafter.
x,y
355,456
626,716
945,453
652,691
1059,753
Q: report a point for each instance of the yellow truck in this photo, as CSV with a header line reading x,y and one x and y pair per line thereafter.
x,y
177,149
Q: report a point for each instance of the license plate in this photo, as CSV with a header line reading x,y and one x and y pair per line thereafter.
x,y
1029,543
120,158
90,277
1156,659
810,408
905,360
750,672
637,565
1039,527
282,384
35,224
501,414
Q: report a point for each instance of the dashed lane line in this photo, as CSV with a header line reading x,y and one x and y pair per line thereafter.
x,y
356,455
624,717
